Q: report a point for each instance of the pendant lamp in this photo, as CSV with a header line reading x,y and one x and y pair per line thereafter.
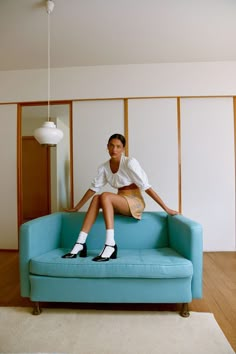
x,y
48,134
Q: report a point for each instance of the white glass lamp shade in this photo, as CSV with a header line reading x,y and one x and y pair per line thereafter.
x,y
48,134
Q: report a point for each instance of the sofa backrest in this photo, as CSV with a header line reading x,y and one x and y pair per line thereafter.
x,y
149,232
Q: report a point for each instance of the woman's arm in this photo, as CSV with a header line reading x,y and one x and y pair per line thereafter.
x,y
83,200
159,201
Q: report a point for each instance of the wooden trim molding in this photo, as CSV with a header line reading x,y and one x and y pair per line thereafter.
x,y
19,166
126,125
234,107
179,155
71,155
38,103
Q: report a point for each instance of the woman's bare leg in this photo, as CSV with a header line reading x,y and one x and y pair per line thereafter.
x,y
80,245
111,203
91,214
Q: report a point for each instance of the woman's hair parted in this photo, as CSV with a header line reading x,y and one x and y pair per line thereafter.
x,y
118,136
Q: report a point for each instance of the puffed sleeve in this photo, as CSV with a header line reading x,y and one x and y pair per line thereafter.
x,y
100,180
137,174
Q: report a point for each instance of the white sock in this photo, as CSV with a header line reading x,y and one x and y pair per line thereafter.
x,y
81,239
110,237
109,241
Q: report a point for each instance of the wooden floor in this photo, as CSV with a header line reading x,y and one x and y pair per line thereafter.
x,y
219,284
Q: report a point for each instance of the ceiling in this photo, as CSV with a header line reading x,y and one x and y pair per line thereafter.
x,y
109,32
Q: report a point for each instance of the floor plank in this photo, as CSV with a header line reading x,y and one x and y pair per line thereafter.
x,y
219,295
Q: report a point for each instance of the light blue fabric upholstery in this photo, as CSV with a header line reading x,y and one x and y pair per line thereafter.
x,y
143,263
159,260
150,232
110,290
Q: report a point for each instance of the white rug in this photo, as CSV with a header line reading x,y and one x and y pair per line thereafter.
x,y
109,332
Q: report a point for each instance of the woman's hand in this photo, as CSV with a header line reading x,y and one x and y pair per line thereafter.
x,y
171,212
158,200
82,201
71,210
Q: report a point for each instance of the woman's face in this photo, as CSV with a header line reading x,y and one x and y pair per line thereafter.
x,y
115,148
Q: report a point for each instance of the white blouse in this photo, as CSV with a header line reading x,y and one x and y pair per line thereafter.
x,y
129,172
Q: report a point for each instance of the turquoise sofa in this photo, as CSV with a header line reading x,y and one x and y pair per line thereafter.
x,y
159,261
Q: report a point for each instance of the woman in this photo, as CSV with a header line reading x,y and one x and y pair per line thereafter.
x,y
125,174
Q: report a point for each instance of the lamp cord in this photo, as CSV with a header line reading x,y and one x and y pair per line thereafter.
x,y
49,63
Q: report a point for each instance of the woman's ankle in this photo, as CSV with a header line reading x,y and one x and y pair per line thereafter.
x,y
77,248
110,240
82,237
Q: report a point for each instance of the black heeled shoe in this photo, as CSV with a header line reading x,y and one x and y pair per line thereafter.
x,y
100,258
82,253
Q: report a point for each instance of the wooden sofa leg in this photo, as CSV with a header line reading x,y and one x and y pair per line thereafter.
x,y
36,309
184,311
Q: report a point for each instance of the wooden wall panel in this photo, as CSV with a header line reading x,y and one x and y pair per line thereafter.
x,y
208,168
93,123
153,140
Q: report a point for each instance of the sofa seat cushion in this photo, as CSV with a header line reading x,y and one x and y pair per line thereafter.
x,y
132,263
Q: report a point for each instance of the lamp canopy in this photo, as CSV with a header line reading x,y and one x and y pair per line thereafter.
x,y
49,6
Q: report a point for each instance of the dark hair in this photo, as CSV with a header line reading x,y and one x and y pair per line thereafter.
x,y
118,136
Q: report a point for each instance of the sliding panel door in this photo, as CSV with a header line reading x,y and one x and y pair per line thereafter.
x,y
8,186
93,123
208,168
153,140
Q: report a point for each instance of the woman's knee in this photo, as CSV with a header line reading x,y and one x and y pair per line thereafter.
x,y
104,197
100,199
96,200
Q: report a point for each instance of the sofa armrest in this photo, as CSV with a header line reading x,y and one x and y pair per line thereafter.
x,y
37,237
186,237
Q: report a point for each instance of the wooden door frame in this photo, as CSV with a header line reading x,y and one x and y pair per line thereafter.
x,y
19,153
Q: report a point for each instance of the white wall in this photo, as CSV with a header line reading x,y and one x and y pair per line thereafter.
x,y
208,168
97,119
93,123
153,140
147,80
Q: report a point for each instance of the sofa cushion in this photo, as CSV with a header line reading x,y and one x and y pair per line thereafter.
x,y
132,263
149,232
